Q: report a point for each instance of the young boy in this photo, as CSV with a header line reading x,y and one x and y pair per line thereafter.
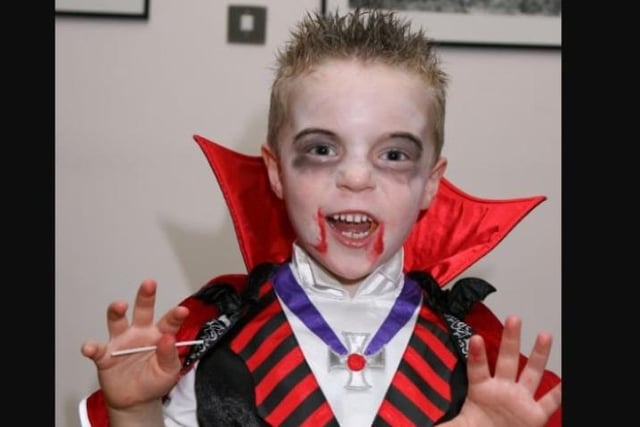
x,y
332,326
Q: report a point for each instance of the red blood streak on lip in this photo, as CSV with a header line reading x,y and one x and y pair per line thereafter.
x,y
378,246
322,226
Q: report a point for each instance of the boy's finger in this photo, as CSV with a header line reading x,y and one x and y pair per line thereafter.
x,y
477,364
145,301
170,323
533,370
509,352
117,322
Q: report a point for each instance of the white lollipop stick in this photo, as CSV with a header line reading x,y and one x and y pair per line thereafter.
x,y
153,347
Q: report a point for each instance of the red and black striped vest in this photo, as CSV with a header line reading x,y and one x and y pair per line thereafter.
x,y
287,393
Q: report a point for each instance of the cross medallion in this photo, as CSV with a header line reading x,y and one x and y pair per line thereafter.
x,y
355,361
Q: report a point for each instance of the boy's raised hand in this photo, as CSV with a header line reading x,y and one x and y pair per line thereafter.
x,y
136,379
506,399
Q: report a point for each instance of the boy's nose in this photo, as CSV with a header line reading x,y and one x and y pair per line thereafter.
x,y
355,177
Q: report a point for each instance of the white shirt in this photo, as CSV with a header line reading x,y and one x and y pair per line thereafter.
x,y
363,312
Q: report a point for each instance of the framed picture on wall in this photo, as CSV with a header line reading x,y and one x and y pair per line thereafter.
x,y
136,9
525,23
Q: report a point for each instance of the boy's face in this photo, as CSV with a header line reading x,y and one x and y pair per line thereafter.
x,y
355,163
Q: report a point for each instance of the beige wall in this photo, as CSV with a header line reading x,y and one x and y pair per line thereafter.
x,y
135,197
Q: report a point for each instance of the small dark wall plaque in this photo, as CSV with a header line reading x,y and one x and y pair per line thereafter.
x,y
247,24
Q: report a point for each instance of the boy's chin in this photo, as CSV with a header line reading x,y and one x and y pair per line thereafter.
x,y
348,269
350,276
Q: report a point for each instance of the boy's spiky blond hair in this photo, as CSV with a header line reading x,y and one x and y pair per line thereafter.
x,y
370,35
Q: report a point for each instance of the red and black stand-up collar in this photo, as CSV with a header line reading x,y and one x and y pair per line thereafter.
x,y
456,231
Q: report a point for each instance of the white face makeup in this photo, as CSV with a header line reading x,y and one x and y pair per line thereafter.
x,y
355,163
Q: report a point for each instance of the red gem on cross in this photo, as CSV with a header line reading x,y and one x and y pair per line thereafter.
x,y
356,362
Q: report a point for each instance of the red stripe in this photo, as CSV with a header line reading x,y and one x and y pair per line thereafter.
x,y
266,287
249,331
436,345
393,416
430,316
296,396
266,349
418,398
319,417
278,373
426,372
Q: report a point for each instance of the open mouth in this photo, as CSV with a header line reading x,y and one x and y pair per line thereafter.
x,y
352,226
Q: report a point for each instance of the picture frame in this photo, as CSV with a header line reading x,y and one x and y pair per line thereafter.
x,y
468,28
132,9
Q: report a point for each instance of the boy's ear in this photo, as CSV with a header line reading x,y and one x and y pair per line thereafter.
x,y
430,190
273,169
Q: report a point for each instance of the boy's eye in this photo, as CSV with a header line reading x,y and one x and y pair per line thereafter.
x,y
395,155
321,150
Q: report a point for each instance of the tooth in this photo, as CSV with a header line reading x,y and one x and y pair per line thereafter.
x,y
354,235
351,218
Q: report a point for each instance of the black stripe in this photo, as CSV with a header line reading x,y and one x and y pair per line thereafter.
x,y
299,415
399,400
275,356
282,389
428,354
431,394
442,334
430,357
254,309
379,422
434,361
408,407
262,335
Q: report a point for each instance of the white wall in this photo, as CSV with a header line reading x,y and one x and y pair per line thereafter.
x,y
135,197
